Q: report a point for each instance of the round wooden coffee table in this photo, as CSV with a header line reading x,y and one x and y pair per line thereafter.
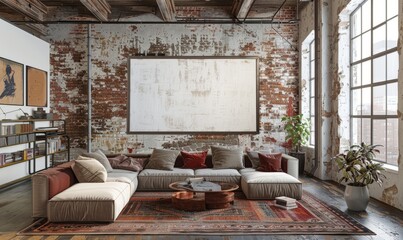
x,y
212,199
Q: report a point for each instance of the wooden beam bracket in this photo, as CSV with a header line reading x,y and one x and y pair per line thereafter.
x,y
100,8
34,9
167,9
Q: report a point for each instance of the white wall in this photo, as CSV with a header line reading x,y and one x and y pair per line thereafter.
x,y
22,47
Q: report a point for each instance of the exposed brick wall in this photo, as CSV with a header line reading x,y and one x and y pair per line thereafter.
x,y
112,45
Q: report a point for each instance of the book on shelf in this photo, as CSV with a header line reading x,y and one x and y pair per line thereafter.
x,y
287,207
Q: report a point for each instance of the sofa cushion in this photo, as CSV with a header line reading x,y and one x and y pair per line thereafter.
x,y
128,163
121,175
84,202
89,171
268,185
224,158
219,175
155,179
270,162
194,160
253,156
100,156
162,159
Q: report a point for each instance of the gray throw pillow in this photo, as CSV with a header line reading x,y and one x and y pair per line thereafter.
x,y
224,158
162,159
100,156
89,170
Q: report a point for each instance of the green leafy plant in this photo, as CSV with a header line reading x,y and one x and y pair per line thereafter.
x,y
297,129
357,165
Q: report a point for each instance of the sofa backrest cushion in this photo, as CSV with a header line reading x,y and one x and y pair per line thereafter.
x,y
227,158
162,159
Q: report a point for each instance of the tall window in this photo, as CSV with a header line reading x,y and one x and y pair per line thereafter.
x,y
374,72
312,92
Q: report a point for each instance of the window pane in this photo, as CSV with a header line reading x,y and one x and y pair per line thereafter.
x,y
366,16
356,105
366,101
379,100
356,131
379,39
312,107
356,23
392,6
393,32
392,99
366,44
356,50
366,130
312,124
379,11
356,75
380,138
392,141
312,73
379,69
392,65
313,138
366,72
312,50
312,86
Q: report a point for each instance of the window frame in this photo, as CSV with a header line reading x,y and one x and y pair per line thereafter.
x,y
371,116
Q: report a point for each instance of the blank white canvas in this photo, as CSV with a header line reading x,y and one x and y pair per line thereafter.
x,y
192,95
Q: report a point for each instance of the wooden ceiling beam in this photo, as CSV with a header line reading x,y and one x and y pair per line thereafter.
x,y
34,9
241,8
99,8
167,9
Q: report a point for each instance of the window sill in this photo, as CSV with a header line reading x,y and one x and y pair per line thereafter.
x,y
391,168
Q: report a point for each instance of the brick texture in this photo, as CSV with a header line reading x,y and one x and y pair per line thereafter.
x,y
112,44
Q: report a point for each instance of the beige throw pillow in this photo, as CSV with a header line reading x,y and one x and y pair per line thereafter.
x,y
100,156
224,158
162,159
89,170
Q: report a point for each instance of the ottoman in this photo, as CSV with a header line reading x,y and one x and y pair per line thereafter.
x,y
269,185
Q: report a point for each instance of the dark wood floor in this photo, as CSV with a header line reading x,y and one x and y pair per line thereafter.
x,y
385,221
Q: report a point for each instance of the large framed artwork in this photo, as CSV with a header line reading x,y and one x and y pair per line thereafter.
x,y
193,95
12,83
37,87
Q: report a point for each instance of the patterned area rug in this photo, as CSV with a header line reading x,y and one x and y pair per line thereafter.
x,y
152,213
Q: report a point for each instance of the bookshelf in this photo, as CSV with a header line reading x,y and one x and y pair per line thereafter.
x,y
35,138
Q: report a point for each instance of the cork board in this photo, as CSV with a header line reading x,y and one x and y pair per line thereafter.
x,y
37,89
11,84
183,95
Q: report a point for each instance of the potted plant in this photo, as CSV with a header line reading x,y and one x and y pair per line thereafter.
x,y
358,170
297,130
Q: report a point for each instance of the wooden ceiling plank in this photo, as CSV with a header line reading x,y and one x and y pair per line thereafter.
x,y
167,9
241,8
99,8
33,9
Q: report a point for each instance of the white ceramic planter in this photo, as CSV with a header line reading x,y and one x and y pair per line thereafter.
x,y
357,198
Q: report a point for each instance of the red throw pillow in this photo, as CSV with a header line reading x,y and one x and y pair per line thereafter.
x,y
194,160
270,162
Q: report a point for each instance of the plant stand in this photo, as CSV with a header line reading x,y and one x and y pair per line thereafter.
x,y
301,160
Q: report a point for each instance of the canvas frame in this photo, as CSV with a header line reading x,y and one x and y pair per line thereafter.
x,y
165,67
37,87
14,95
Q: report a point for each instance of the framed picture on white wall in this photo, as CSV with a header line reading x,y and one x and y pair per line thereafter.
x,y
12,84
37,87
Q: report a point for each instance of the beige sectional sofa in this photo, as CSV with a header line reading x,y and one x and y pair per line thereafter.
x,y
58,196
